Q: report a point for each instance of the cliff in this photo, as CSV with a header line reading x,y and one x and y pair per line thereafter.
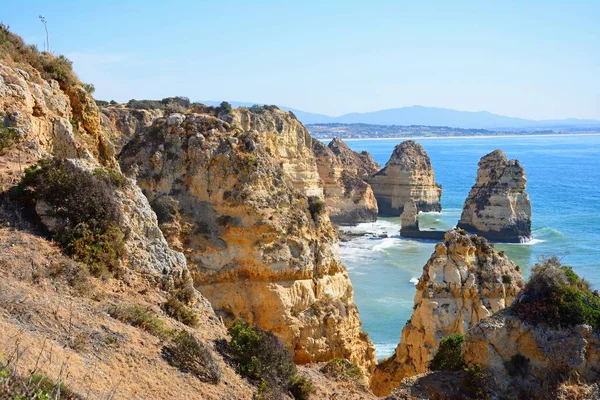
x,y
548,340
349,199
120,122
498,206
240,198
408,175
464,281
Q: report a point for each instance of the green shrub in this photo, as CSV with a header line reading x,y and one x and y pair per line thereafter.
x,y
142,317
316,206
506,279
517,366
339,368
88,87
8,137
110,176
33,387
84,203
262,358
180,312
191,355
260,355
14,49
450,354
555,295
102,103
301,388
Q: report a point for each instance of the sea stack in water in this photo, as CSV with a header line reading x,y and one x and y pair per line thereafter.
x,y
498,207
349,199
408,175
464,281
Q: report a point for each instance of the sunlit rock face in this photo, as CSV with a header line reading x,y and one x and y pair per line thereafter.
x,y
120,123
408,175
350,200
464,281
498,206
240,195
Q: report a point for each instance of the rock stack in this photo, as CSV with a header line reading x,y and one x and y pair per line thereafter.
x,y
408,175
350,200
498,206
464,281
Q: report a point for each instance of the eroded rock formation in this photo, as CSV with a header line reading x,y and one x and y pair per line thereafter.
x,y
516,350
350,200
408,175
120,123
240,203
498,206
464,281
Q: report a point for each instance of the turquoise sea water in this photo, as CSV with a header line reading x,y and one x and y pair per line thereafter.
x,y
563,175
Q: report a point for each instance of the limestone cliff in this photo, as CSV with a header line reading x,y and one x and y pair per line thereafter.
x,y
408,175
518,353
498,206
49,120
287,141
120,122
238,200
464,281
350,200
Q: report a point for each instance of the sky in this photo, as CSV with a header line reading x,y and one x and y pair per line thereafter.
x,y
530,59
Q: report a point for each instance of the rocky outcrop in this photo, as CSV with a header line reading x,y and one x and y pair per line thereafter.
x,y
464,281
498,206
521,356
287,141
362,162
239,202
410,224
49,120
408,175
350,200
120,123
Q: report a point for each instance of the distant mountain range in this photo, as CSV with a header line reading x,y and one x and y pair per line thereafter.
x,y
431,116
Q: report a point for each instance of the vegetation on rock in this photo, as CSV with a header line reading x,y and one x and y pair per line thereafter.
x,y
450,354
339,368
34,387
189,354
557,296
142,317
14,49
89,219
262,358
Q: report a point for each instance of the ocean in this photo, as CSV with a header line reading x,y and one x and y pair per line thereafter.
x,y
563,174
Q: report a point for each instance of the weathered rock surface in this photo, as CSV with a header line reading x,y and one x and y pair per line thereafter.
x,y
408,175
550,352
259,247
288,141
120,123
49,120
498,206
464,281
350,200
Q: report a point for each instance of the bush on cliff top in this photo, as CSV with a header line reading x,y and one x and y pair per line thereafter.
x,y
14,49
189,354
262,358
83,204
450,354
557,296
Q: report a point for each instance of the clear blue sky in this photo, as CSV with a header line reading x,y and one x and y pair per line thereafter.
x,y
531,59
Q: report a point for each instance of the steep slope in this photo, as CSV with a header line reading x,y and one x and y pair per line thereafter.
x,y
241,204
464,281
408,175
350,200
498,206
120,123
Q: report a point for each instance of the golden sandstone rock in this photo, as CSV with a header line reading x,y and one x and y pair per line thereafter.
x,y
244,202
408,175
464,281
